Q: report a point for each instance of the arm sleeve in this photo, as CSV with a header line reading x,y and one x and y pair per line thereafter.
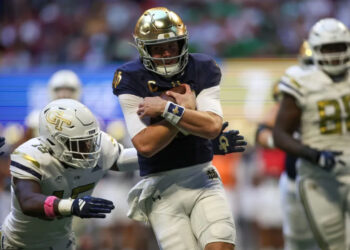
x,y
115,155
129,104
209,100
128,160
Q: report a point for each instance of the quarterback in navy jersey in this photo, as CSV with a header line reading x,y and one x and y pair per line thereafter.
x,y
181,195
182,151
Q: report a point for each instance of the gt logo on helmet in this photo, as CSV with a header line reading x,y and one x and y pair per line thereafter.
x,y
56,117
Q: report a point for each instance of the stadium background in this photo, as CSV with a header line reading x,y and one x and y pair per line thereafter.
x,y
253,41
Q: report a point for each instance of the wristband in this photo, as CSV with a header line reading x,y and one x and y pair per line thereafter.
x,y
173,112
48,206
183,131
65,207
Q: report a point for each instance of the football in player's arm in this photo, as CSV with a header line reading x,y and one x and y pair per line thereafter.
x,y
55,173
174,138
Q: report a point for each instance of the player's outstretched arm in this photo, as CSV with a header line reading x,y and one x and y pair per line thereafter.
x,y
127,161
228,142
34,203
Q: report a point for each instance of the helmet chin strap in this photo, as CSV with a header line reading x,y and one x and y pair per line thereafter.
x,y
168,70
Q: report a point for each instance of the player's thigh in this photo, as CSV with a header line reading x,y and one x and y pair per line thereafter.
x,y
211,218
295,224
61,244
323,207
170,225
65,244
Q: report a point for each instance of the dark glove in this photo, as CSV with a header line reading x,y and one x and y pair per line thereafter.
x,y
228,142
91,207
2,143
327,159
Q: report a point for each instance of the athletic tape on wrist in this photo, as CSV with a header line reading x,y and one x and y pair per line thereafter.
x,y
183,131
65,207
48,206
173,112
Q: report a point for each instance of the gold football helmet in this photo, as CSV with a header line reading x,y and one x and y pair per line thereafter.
x,y
305,54
157,26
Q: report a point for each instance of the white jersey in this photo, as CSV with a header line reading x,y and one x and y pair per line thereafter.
x,y
33,161
325,120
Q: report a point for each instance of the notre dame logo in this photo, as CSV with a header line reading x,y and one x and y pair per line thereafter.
x,y
117,78
56,118
175,110
212,174
152,86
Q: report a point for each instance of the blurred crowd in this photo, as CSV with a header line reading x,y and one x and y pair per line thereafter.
x,y
93,32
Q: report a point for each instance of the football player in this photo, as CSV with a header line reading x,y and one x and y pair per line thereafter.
x,y
316,101
296,230
53,176
182,195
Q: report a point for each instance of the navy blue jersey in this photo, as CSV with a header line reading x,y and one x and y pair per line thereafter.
x,y
200,73
291,166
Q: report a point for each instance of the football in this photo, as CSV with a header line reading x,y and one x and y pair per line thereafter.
x,y
181,89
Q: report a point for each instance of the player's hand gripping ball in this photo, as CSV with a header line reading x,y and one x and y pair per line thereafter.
x,y
178,89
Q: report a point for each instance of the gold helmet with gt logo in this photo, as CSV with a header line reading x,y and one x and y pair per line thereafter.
x,y
158,26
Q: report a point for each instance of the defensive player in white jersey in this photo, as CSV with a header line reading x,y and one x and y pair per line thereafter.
x,y
296,230
317,100
53,176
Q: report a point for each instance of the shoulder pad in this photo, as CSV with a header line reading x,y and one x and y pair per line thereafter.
x,y
203,71
126,79
110,150
28,160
